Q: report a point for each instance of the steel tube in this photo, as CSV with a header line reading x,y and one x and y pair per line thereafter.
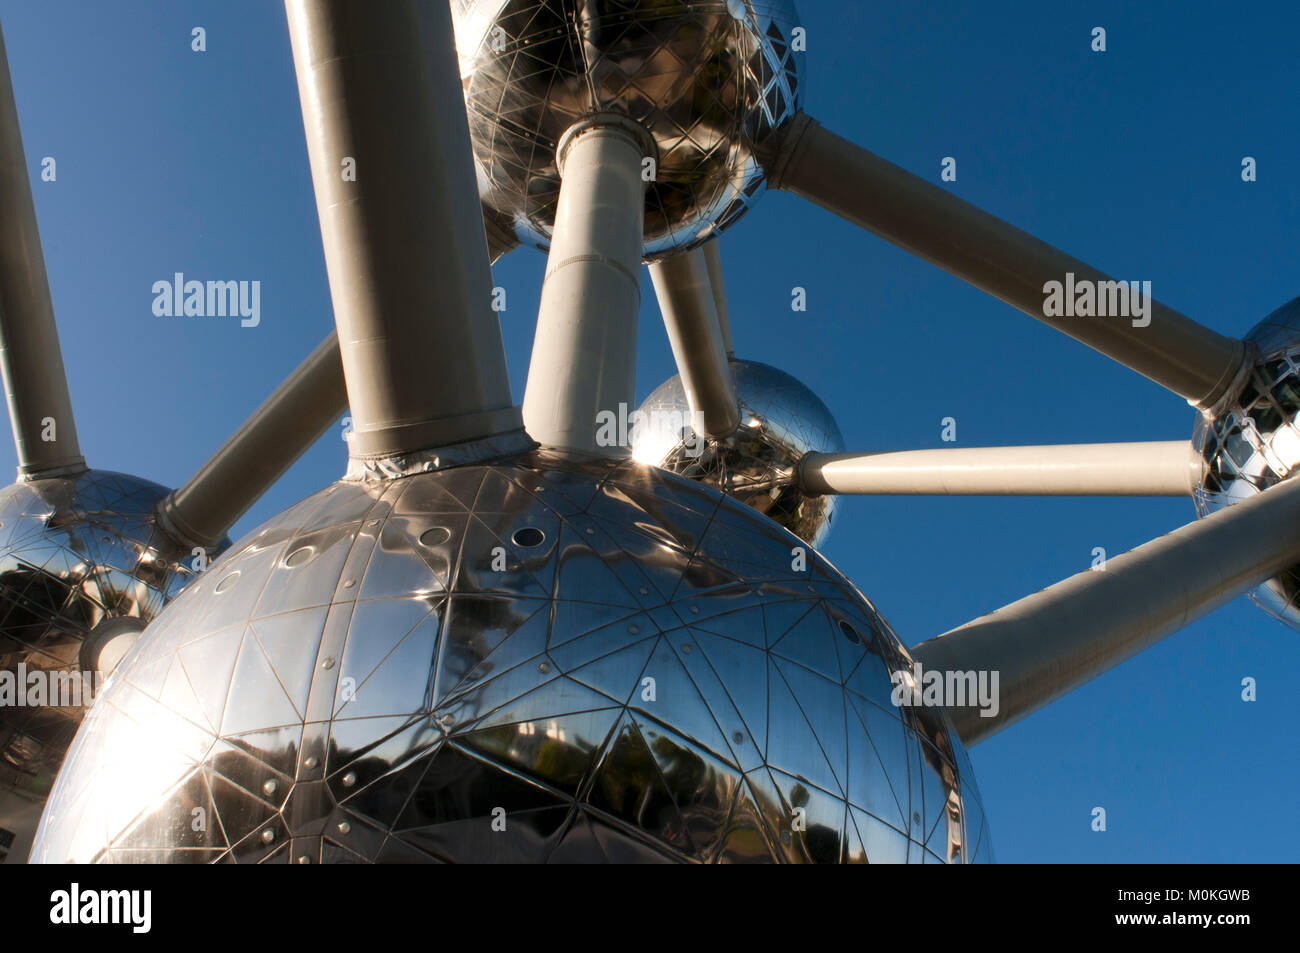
x,y
36,385
1013,266
713,258
584,352
686,300
1055,640
1160,468
202,510
404,240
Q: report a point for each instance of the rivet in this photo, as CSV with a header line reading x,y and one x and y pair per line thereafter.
x,y
268,835
328,663
311,762
543,667
269,788
345,827
349,779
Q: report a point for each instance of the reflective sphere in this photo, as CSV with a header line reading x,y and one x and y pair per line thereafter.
x,y
1256,442
550,658
708,79
780,421
81,560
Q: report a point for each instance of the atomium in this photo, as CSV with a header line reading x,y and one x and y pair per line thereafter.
x,y
83,566
709,80
1254,443
549,658
780,421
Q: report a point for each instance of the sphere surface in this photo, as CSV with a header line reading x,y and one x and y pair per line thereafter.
x,y
780,421
1255,443
708,79
75,553
550,658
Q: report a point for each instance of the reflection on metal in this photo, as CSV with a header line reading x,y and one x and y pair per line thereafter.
x,y
1254,442
709,80
780,421
551,658
75,553
1158,468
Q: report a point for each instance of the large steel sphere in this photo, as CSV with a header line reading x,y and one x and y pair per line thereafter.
x,y
1255,443
780,421
550,658
709,79
82,561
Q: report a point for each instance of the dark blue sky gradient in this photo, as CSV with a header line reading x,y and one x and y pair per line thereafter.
x,y
170,160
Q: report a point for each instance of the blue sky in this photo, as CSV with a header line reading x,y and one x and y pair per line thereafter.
x,y
170,160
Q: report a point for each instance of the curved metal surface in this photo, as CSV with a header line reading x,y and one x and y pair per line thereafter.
x,y
1254,442
710,79
551,658
781,420
75,554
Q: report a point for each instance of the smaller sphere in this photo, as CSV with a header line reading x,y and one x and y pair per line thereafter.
x,y
83,567
1255,442
780,421
711,82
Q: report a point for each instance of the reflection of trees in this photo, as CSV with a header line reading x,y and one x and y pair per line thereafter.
x,y
42,625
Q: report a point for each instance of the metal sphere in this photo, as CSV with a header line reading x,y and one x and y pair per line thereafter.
x,y
780,421
710,80
1255,442
550,658
82,561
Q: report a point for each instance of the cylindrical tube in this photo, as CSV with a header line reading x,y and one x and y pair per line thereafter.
x,y
713,258
203,509
1013,266
691,318
1158,468
401,222
36,386
1055,640
582,377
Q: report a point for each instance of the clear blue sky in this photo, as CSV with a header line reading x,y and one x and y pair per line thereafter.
x,y
170,160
